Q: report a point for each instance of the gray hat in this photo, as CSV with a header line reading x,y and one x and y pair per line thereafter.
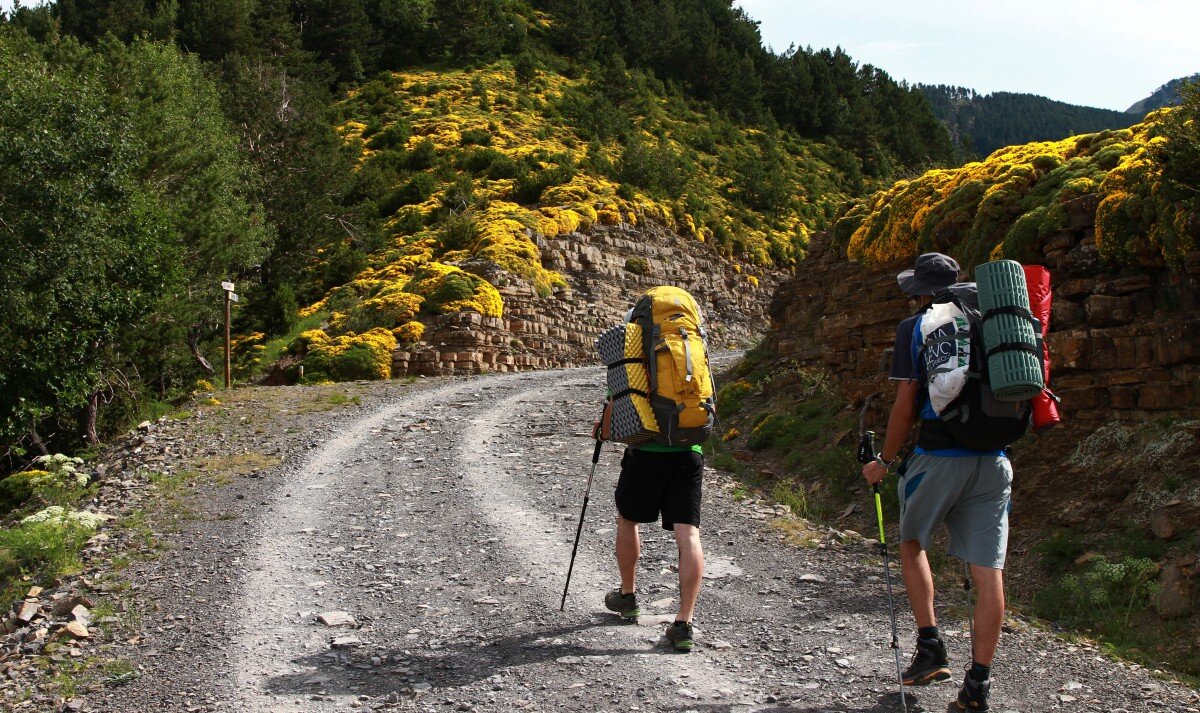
x,y
932,273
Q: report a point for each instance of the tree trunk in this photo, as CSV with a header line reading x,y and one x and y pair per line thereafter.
x,y
38,444
89,419
194,344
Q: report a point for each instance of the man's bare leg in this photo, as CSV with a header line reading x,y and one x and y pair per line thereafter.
x,y
691,569
629,548
918,581
989,614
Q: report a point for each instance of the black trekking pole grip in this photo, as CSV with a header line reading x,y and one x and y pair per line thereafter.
x,y
587,491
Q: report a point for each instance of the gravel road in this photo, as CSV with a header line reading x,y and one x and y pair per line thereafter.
x,y
432,525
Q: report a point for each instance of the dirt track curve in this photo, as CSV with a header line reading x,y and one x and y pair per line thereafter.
x,y
440,516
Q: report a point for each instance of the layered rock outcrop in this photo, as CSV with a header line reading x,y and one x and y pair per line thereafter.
x,y
606,269
1125,344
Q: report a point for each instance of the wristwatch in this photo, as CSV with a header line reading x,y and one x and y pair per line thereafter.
x,y
887,464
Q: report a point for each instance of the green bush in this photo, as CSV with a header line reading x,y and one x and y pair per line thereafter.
x,y
417,190
1102,596
638,266
476,137
531,185
770,431
41,550
730,396
15,491
1059,550
458,232
478,160
422,155
393,136
455,287
657,168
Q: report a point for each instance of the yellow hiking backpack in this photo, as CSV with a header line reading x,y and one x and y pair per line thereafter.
x,y
658,372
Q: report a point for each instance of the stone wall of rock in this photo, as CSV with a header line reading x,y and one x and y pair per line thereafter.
x,y
560,330
1125,346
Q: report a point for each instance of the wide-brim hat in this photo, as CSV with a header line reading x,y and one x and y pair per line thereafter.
x,y
932,273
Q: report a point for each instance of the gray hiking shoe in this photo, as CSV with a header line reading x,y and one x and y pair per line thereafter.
x,y
929,663
681,636
973,696
624,604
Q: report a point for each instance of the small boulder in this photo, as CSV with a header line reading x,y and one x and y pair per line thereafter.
x,y
76,630
1174,597
82,614
27,611
1161,524
337,618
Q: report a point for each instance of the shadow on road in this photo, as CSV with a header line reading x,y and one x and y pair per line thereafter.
x,y
884,704
456,664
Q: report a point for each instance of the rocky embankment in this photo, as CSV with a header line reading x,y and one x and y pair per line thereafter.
x,y
1125,345
606,269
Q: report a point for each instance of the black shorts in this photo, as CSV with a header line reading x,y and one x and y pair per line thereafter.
x,y
669,483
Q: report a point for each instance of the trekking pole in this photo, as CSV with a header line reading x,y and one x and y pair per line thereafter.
x,y
578,530
866,454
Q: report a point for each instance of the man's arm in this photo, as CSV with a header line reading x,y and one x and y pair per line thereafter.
x,y
900,422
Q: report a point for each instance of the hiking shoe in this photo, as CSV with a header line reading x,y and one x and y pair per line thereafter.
x,y
624,604
973,696
929,663
680,635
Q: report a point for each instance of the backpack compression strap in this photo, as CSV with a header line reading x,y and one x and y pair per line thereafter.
x,y
1013,347
623,362
687,354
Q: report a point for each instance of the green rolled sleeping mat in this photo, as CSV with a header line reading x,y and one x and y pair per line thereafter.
x,y
633,420
1010,332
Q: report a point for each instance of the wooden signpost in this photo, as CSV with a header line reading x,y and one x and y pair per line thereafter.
x,y
230,298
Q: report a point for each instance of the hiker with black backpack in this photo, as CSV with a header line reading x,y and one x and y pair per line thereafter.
x,y
662,405
944,482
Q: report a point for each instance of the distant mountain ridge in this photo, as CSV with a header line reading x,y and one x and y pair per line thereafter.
x,y
982,123
1166,95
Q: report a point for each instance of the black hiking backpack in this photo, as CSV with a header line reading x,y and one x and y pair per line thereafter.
x,y
974,418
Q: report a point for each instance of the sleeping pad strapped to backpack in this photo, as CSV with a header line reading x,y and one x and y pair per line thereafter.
x,y
955,365
658,373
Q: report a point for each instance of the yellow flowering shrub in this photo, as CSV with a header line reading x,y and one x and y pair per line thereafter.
x,y
409,332
1007,204
388,308
348,357
446,289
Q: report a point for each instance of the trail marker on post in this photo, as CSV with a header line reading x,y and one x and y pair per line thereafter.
x,y
230,298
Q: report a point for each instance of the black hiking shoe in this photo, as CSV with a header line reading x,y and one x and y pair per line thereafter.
x,y
973,696
624,604
929,663
680,635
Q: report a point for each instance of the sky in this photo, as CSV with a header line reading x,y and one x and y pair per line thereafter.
x,y
1102,53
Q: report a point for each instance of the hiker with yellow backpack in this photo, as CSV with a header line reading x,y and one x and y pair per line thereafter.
x,y
662,405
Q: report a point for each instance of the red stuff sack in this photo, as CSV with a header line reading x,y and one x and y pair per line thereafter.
x,y
1045,404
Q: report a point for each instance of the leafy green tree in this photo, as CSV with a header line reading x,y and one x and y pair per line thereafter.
x,y
215,29
91,20
193,164
83,248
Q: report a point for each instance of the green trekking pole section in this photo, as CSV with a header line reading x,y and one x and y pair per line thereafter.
x,y
879,516
587,491
867,454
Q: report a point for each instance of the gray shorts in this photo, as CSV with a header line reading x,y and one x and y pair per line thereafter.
x,y
971,494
